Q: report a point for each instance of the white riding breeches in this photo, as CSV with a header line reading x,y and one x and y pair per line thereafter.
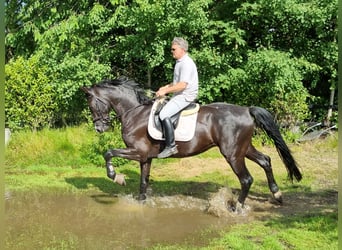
x,y
174,105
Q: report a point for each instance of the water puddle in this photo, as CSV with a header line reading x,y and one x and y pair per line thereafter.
x,y
99,221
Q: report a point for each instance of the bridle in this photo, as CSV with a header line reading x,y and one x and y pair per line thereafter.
x,y
105,120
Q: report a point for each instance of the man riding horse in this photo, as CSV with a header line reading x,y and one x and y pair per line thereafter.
x,y
185,89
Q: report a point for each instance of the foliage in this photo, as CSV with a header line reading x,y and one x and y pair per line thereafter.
x,y
72,146
71,63
93,151
29,99
64,39
143,49
270,79
275,82
305,29
72,73
241,49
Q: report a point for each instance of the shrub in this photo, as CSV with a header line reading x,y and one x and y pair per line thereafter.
x,y
274,81
28,94
71,146
93,151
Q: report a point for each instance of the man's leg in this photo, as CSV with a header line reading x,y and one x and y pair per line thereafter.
x,y
175,105
169,133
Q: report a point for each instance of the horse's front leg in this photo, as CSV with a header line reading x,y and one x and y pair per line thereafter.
x,y
145,168
127,153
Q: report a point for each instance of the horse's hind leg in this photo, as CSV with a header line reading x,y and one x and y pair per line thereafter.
x,y
239,167
265,162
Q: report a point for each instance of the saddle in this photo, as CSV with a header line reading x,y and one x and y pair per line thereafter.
x,y
184,122
188,110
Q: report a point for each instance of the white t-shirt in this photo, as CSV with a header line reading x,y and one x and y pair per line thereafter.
x,y
186,71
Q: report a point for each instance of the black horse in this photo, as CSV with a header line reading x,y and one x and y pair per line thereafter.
x,y
229,127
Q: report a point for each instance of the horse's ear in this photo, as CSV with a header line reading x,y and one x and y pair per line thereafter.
x,y
86,90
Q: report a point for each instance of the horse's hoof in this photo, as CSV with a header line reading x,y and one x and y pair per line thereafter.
x,y
142,197
278,197
238,208
120,179
231,205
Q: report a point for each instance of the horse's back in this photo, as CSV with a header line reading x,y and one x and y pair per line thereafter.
x,y
223,120
226,111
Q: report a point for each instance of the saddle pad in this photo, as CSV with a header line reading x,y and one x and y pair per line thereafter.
x,y
185,130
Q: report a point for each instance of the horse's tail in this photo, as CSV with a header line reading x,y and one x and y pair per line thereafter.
x,y
264,120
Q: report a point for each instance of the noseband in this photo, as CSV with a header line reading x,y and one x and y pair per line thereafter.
x,y
105,120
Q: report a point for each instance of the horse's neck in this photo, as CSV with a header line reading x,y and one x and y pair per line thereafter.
x,y
136,116
123,102
123,106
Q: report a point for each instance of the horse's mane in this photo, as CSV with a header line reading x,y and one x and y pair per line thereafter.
x,y
129,84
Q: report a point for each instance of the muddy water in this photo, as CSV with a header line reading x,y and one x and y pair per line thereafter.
x,y
98,221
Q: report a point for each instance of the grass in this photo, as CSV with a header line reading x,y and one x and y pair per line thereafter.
x,y
315,231
65,160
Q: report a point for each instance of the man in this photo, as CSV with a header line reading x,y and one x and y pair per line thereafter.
x,y
185,90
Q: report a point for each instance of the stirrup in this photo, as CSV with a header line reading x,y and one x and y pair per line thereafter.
x,y
168,151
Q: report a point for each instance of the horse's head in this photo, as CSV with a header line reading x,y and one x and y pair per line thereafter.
x,y
99,108
121,94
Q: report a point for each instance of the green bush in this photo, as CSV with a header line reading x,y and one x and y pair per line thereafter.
x,y
28,95
274,81
71,146
70,74
269,79
93,151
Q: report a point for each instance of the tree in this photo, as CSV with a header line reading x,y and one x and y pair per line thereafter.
x,y
144,31
306,29
232,42
61,35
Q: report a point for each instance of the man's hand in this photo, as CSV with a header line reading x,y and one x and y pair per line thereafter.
x,y
179,86
161,92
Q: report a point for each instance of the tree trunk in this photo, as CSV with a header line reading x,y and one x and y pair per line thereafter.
x,y
149,75
331,103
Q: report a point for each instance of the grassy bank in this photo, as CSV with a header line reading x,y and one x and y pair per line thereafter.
x,y
69,160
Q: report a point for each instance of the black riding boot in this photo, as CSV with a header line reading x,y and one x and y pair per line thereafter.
x,y
169,134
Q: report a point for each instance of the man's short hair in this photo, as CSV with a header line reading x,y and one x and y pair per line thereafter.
x,y
181,42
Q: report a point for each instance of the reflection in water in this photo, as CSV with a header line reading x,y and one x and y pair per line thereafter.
x,y
97,221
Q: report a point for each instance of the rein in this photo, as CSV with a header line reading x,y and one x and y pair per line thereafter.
x,y
142,104
131,109
107,119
